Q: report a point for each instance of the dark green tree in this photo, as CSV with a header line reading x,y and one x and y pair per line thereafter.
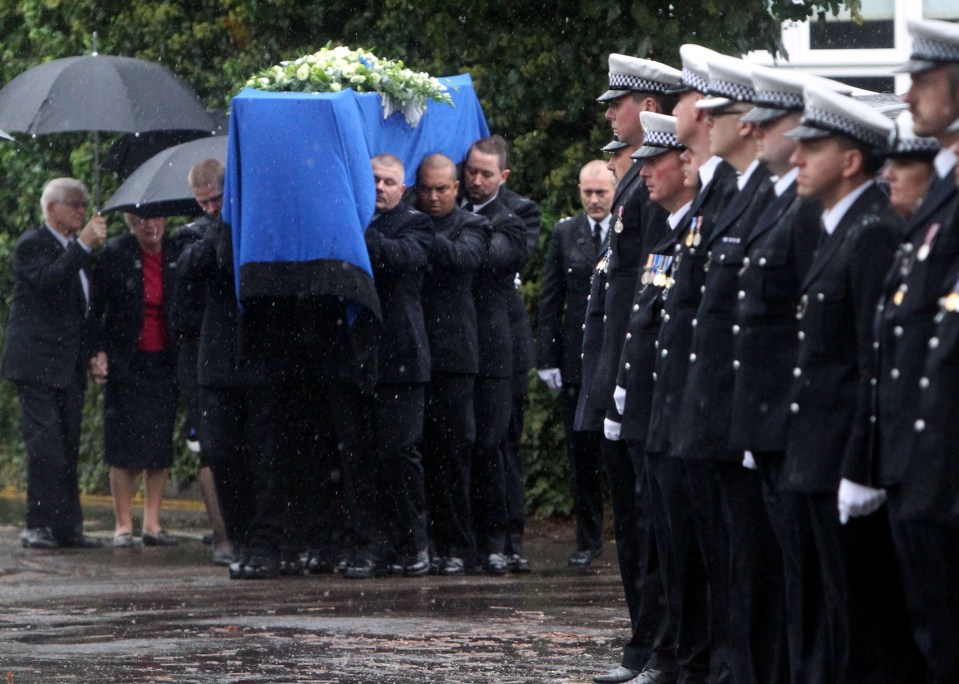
x,y
537,69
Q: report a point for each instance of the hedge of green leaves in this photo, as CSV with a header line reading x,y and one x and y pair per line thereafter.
x,y
537,69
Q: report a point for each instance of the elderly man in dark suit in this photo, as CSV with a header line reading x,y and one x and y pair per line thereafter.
x,y
574,248
399,240
46,354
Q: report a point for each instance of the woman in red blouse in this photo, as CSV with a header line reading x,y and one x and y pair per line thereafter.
x,y
133,284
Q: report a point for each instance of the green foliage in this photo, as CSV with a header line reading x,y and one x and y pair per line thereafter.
x,y
537,69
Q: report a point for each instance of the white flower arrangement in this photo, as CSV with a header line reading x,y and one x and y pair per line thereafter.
x,y
333,69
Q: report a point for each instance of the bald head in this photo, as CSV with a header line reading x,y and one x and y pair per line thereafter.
x,y
436,185
596,189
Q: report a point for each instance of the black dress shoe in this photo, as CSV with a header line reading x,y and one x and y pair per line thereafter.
x,y
495,564
616,676
38,538
581,558
161,538
416,565
261,566
364,568
519,564
290,564
80,541
450,567
319,562
651,676
240,557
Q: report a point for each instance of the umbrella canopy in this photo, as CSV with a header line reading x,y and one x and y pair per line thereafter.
x,y
159,187
100,93
129,151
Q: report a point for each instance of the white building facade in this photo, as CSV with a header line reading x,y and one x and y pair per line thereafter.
x,y
862,55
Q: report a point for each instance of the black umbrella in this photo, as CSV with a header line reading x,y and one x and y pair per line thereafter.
x,y
100,93
131,150
159,187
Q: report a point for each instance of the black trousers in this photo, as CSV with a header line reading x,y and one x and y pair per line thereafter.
x,y
862,598
449,432
400,505
346,412
493,404
638,558
684,572
807,634
928,555
240,428
50,427
583,452
512,456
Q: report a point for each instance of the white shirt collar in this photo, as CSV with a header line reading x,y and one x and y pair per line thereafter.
x,y
747,174
64,241
944,162
674,219
480,205
782,184
832,217
708,170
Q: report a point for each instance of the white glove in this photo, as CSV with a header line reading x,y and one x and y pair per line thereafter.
x,y
748,461
552,377
517,281
619,396
611,430
856,500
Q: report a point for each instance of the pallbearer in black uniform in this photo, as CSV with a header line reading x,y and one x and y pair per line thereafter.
x,y
662,173
829,425
715,182
912,316
742,556
399,240
779,249
485,169
449,429
523,359
574,249
635,85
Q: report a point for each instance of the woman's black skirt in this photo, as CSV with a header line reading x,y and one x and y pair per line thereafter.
x,y
138,413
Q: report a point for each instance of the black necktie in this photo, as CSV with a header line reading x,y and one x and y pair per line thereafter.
x,y
597,237
468,207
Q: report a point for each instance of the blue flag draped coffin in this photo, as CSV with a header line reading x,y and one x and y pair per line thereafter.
x,y
299,189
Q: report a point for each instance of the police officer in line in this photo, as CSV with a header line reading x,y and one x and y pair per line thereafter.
x,y
635,85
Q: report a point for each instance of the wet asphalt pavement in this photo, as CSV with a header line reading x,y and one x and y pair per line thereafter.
x,y
169,615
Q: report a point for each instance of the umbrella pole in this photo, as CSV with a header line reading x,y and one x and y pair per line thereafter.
x,y
96,170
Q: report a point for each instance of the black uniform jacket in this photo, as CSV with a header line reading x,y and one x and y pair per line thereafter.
x,y
930,484
779,252
643,224
399,242
117,306
208,264
705,414
570,259
588,417
529,213
460,241
48,335
905,322
829,427
638,357
493,287
681,303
